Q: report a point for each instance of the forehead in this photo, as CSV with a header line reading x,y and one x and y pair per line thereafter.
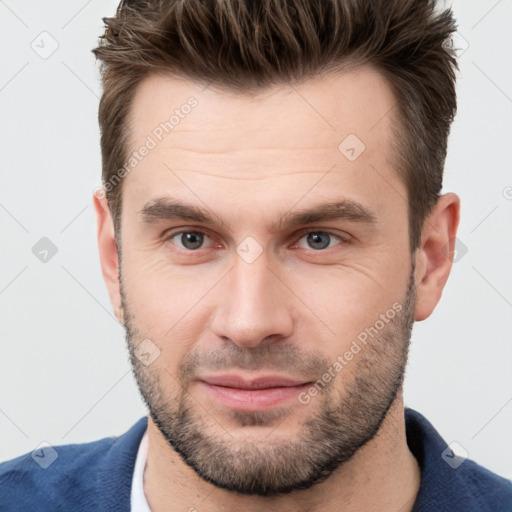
x,y
316,114
275,142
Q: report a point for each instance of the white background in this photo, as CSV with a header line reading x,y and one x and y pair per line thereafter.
x,y
64,371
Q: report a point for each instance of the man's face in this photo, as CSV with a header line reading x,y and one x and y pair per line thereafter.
x,y
326,300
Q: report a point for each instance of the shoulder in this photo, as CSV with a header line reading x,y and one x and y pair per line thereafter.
x,y
451,482
52,465
68,477
487,488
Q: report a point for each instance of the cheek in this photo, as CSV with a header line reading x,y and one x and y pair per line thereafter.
x,y
348,298
172,304
163,297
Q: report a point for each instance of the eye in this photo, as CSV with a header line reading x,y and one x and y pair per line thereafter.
x,y
319,240
193,240
189,240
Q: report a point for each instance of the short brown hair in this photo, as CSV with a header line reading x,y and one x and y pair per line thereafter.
x,y
247,45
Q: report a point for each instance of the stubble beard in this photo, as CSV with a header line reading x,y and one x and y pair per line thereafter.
x,y
339,424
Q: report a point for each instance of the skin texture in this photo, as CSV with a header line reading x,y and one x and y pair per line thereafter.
x,y
292,311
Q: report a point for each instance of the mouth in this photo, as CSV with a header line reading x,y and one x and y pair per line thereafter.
x,y
253,394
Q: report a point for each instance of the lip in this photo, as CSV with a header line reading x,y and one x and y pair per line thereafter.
x,y
256,394
261,382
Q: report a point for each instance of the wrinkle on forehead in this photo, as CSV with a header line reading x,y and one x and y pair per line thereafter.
x,y
256,177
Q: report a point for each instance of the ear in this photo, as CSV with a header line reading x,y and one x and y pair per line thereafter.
x,y
435,256
109,258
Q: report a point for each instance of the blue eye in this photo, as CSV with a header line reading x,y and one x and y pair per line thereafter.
x,y
190,240
319,240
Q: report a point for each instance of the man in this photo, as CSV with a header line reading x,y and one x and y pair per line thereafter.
x,y
270,227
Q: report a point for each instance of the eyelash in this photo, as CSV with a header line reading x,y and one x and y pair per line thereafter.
x,y
298,236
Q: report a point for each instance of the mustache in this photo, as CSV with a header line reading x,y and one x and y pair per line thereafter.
x,y
273,357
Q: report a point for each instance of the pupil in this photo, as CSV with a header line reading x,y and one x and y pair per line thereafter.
x,y
191,240
316,239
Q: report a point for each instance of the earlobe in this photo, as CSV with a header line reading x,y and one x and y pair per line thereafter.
x,y
109,258
435,256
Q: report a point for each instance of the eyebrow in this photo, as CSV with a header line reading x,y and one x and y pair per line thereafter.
x,y
169,208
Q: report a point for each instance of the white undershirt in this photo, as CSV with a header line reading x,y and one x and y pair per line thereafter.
x,y
138,498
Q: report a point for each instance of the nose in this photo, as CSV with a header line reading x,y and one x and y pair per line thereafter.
x,y
254,306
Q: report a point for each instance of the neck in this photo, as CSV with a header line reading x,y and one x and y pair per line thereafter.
x,y
382,475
